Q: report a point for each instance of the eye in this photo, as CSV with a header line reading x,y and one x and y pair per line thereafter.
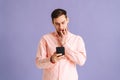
x,y
56,23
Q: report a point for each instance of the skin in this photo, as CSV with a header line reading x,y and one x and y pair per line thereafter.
x,y
61,26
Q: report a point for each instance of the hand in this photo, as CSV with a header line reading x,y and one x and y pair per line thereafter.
x,y
56,57
63,36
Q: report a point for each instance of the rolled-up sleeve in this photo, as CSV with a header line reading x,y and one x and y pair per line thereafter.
x,y
42,60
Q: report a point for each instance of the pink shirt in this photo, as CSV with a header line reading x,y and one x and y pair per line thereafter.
x,y
65,69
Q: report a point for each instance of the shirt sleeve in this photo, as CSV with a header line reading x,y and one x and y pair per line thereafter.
x,y
77,56
42,61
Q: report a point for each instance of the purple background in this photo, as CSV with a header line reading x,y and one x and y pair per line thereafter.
x,y
23,22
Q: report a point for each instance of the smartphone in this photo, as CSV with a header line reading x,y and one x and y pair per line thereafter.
x,y
60,50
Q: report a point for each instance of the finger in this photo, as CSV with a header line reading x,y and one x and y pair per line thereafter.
x,y
61,57
61,32
66,31
60,54
55,54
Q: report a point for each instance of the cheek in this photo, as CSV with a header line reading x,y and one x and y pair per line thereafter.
x,y
57,28
65,25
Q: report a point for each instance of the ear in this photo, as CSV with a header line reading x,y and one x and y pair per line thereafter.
x,y
68,19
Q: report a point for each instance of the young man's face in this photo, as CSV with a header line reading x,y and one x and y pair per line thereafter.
x,y
61,23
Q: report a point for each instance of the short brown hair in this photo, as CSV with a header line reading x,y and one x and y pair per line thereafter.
x,y
58,12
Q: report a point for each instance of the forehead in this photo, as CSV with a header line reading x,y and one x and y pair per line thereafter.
x,y
59,19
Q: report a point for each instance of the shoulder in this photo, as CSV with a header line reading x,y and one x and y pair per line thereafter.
x,y
76,36
47,36
44,37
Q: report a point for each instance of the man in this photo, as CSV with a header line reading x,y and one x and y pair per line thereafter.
x,y
58,66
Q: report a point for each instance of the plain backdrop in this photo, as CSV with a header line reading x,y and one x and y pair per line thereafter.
x,y
23,22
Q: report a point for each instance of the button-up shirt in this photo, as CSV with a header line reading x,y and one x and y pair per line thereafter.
x,y
65,69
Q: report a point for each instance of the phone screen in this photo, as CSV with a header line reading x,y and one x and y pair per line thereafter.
x,y
60,50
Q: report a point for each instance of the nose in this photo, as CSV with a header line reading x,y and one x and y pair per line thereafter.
x,y
61,26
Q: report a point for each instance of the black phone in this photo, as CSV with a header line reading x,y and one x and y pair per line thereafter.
x,y
60,50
